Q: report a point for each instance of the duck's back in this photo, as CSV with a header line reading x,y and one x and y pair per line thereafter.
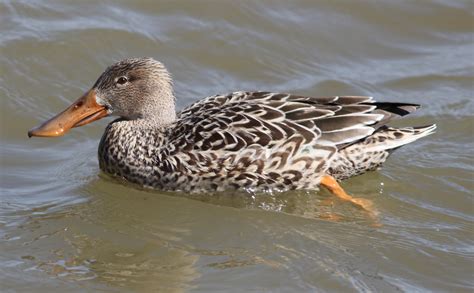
x,y
261,140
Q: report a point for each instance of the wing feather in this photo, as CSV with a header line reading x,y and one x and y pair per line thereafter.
x,y
243,119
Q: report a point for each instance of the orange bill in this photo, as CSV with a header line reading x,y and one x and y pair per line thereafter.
x,y
83,111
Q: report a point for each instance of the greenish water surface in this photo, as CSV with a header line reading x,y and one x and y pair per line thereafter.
x,y
65,227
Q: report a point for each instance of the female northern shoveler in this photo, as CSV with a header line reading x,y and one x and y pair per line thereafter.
x,y
253,140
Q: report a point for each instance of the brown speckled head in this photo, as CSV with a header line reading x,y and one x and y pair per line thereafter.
x,y
137,88
134,89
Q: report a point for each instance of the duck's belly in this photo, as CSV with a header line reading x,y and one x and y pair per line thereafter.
x,y
210,173
215,180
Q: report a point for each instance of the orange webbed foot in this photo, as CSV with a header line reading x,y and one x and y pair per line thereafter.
x,y
367,205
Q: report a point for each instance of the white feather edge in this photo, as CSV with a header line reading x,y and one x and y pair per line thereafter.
x,y
358,125
368,131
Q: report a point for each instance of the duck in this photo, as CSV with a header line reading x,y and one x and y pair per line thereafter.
x,y
254,141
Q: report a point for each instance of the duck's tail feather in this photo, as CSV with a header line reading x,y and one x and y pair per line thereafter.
x,y
371,152
390,138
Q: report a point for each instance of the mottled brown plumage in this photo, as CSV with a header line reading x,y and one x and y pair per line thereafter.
x,y
252,140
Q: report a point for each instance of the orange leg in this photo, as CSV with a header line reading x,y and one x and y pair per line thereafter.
x,y
331,184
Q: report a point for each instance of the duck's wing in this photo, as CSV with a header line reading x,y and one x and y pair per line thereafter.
x,y
240,119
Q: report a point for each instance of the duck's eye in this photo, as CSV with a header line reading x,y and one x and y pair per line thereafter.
x,y
122,80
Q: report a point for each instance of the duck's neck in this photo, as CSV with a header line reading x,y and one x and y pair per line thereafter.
x,y
161,110
158,118
152,124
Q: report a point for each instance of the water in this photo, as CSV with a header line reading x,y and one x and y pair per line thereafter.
x,y
64,226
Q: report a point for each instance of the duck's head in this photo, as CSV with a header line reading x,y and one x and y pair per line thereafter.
x,y
137,88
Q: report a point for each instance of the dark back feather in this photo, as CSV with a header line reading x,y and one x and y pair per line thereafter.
x,y
263,118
